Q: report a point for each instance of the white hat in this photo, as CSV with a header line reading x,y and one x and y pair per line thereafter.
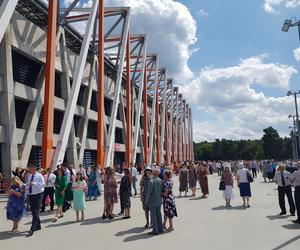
x,y
148,168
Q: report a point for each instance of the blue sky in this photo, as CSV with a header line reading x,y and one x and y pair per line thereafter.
x,y
241,29
230,58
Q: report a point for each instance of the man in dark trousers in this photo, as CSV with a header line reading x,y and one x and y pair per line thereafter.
x,y
154,201
296,182
35,188
282,178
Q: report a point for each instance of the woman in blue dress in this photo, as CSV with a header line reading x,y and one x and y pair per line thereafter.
x,y
168,201
16,209
93,190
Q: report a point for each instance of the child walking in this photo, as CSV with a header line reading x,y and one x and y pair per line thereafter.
x,y
79,191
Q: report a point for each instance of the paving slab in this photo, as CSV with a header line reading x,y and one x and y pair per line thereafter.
x,y
201,224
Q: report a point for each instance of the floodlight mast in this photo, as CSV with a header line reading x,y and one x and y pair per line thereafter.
x,y
288,23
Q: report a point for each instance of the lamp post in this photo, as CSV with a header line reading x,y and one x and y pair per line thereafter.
x,y
294,138
289,93
288,23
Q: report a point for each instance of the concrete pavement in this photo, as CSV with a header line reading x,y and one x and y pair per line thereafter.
x,y
202,224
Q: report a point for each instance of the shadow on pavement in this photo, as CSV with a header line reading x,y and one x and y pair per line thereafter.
x,y
227,208
6,235
42,221
138,237
277,217
55,224
292,226
135,230
97,220
182,197
285,244
197,198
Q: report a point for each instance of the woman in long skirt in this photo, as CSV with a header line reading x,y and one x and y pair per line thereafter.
x,y
183,180
203,180
125,193
93,189
79,189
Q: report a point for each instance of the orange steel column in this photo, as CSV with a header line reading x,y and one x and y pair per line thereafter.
x,y
47,143
157,128
166,136
101,113
128,105
173,144
178,142
188,142
145,117
183,145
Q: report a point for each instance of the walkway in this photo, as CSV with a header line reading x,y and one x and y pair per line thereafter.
x,y
202,224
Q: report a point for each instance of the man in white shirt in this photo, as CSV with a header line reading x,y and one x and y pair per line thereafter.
x,y
49,190
282,178
219,168
295,178
35,188
134,173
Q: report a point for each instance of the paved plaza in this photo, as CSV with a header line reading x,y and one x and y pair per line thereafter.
x,y
202,224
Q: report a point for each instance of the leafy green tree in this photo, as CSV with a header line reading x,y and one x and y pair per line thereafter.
x,y
260,154
270,146
272,143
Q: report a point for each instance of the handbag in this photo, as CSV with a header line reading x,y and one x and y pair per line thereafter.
x,y
249,177
222,185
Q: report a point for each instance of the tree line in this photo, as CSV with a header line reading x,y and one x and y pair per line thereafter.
x,y
270,146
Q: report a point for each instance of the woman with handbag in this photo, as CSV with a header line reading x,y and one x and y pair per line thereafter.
x,y
244,178
228,183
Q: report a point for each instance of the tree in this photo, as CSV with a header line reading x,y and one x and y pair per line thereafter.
x,y
272,143
260,154
270,146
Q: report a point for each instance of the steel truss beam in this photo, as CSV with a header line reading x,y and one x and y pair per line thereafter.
x,y
71,105
154,110
120,65
6,11
139,102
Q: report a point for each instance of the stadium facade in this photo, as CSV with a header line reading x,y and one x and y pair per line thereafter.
x,y
64,71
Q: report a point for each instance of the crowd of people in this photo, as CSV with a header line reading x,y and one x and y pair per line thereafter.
x,y
34,189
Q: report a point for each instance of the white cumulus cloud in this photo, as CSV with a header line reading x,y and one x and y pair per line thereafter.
x,y
236,108
271,6
171,31
297,54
